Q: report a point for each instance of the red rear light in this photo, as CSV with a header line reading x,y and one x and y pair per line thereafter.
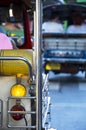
x,y
18,108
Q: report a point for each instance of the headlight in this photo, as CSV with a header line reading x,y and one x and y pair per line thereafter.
x,y
18,90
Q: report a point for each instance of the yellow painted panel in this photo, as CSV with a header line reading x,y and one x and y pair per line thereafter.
x,y
9,67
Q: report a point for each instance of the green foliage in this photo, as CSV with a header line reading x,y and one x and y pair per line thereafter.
x,y
81,0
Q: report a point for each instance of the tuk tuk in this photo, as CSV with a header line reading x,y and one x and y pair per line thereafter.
x,y
65,52
24,90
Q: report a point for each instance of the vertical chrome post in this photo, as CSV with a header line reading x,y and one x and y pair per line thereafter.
x,y
39,64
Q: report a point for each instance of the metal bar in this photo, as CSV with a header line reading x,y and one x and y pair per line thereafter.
x,y
39,65
1,113
20,127
21,112
65,60
27,97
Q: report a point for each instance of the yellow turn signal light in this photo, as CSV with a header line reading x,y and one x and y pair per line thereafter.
x,y
18,90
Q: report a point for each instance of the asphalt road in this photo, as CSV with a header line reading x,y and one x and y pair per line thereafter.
x,y
68,98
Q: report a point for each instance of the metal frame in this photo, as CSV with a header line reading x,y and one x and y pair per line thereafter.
x,y
38,42
9,98
25,112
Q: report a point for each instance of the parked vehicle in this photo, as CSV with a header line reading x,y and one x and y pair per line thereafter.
x,y
64,52
24,90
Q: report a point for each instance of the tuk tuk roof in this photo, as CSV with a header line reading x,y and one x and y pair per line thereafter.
x,y
64,10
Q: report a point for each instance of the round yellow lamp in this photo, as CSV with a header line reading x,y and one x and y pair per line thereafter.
x,y
18,90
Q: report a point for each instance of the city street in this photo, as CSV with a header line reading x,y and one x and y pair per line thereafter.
x,y
68,98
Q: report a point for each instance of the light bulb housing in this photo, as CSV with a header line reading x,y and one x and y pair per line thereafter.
x,y
16,108
18,90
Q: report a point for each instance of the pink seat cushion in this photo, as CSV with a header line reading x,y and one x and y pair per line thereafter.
x,y
5,42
